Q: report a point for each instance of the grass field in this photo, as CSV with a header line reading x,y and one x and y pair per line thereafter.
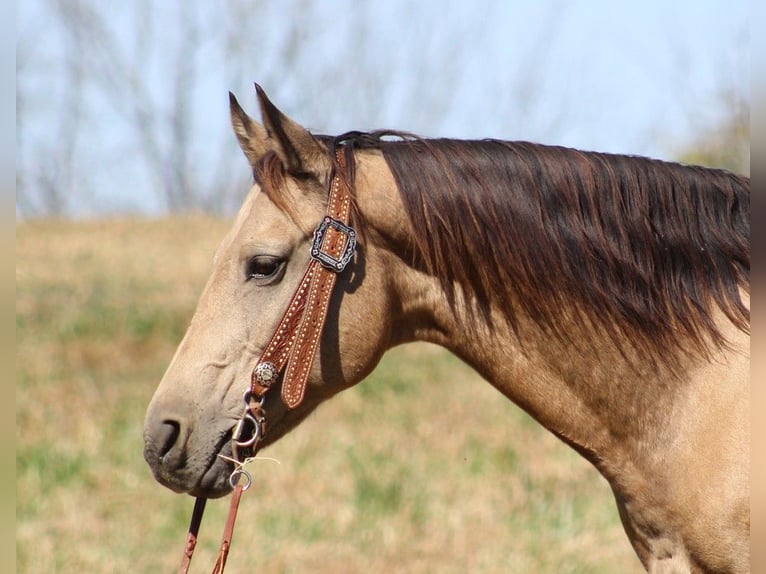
x,y
421,468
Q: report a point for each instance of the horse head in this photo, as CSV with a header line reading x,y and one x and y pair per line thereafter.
x,y
256,269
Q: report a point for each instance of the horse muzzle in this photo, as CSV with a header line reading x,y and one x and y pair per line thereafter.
x,y
182,460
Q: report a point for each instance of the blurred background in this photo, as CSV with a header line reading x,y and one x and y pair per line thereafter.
x,y
126,177
121,107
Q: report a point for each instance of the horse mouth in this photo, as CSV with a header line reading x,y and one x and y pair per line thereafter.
x,y
194,473
214,481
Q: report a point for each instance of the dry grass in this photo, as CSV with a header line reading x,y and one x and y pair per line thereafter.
x,y
421,468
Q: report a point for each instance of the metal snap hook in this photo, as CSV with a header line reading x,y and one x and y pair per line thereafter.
x,y
247,425
252,401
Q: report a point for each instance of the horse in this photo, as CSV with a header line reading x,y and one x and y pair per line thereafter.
x,y
606,295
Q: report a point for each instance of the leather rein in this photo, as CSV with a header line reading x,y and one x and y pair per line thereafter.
x,y
291,350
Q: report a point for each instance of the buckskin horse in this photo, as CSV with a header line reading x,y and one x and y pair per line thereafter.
x,y
606,295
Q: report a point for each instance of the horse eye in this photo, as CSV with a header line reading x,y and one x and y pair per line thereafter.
x,y
264,268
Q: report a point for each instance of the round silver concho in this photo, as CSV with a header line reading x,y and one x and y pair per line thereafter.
x,y
266,373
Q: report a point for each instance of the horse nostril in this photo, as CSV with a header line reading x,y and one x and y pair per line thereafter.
x,y
168,435
165,436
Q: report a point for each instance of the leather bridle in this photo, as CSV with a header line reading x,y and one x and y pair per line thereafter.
x,y
291,349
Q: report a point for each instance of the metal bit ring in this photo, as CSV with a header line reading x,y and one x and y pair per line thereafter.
x,y
237,474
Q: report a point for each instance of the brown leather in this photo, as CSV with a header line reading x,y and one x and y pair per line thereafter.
x,y
228,530
296,338
278,350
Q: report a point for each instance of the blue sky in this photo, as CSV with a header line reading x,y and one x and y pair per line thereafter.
x,y
624,77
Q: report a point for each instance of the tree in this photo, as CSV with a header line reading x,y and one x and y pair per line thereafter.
x,y
724,141
727,144
122,106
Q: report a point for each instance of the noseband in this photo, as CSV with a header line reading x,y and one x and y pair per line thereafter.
x,y
291,349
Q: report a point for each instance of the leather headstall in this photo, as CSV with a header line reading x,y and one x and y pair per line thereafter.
x,y
296,338
291,350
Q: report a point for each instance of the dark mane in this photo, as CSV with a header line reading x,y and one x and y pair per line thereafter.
x,y
642,249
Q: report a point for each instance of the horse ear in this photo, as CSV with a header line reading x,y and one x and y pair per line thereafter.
x,y
299,151
251,135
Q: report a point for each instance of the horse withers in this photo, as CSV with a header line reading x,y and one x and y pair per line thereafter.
x,y
606,295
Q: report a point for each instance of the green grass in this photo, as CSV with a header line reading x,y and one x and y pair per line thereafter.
x,y
423,467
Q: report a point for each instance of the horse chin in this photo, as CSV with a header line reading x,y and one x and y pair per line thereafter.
x,y
214,483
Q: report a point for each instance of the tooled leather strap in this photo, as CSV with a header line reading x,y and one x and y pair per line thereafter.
x,y
296,339
228,531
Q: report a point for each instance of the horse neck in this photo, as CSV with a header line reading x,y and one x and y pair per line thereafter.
x,y
585,398
563,387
